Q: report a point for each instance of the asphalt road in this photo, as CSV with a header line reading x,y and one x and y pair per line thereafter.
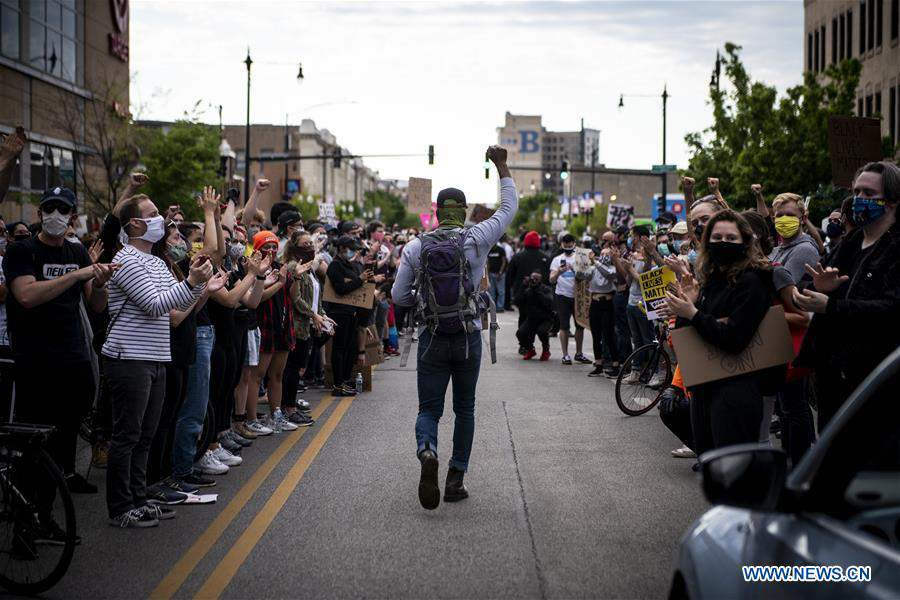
x,y
569,499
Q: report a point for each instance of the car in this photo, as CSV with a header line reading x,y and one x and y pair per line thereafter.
x,y
839,507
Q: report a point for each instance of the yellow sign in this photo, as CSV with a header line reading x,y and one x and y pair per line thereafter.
x,y
653,289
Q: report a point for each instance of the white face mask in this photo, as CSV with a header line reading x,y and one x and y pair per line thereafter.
x,y
156,229
54,224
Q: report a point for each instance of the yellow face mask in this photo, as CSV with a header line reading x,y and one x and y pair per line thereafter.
x,y
787,226
196,247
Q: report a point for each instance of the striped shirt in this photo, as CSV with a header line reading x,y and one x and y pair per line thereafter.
x,y
142,292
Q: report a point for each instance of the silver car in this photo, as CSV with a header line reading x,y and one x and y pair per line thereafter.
x,y
837,511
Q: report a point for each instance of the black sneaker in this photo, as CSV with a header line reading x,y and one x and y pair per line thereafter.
x,y
612,372
597,372
230,445
581,358
198,480
179,485
341,392
567,360
301,419
161,494
429,492
136,517
51,534
161,513
79,485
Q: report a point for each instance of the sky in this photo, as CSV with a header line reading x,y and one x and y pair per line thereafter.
x,y
394,77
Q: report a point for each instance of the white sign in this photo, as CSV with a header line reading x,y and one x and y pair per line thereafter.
x,y
418,194
620,215
326,211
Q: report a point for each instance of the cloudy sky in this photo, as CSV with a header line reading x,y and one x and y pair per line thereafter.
x,y
394,77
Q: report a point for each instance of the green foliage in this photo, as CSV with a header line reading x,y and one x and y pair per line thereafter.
x,y
531,216
757,137
179,163
392,209
309,211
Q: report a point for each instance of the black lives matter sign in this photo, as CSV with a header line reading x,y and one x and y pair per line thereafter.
x,y
852,142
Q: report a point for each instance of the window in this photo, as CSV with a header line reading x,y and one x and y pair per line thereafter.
x,y
52,36
842,43
834,41
892,116
10,23
895,19
859,107
869,100
862,27
51,166
849,33
871,22
822,40
878,103
816,53
879,22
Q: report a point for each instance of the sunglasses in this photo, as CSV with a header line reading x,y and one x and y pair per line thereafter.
x,y
60,207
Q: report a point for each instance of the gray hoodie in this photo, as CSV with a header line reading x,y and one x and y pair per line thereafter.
x,y
794,255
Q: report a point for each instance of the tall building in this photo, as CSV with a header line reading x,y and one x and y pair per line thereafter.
x,y
63,73
579,148
868,30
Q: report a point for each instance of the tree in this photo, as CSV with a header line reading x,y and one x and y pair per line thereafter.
x,y
780,143
392,208
180,160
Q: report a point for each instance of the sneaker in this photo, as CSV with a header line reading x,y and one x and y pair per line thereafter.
x,y
545,355
302,387
100,455
632,378
286,424
302,404
162,494
181,486
683,452
238,438
229,444
567,360
161,513
612,372
529,354
225,457
258,428
79,485
210,465
339,392
656,381
196,479
597,372
48,532
300,420
273,424
241,429
581,358
522,350
136,517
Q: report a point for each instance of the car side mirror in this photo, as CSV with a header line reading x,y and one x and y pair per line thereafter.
x,y
745,476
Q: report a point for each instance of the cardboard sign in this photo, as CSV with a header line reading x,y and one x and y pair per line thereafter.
x,y
583,303
418,195
362,297
702,362
653,289
852,142
374,348
479,213
619,215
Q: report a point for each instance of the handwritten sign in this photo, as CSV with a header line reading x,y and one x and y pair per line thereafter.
x,y
619,215
326,211
583,304
701,362
479,213
852,142
363,297
653,289
418,195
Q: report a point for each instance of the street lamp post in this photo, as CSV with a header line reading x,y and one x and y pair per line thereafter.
x,y
247,62
665,99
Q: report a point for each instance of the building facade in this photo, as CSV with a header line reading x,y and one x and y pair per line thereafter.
x,y
63,69
868,30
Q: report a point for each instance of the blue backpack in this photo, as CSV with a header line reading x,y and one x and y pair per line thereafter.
x,y
446,295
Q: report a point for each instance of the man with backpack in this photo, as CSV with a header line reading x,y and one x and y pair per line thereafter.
x,y
439,274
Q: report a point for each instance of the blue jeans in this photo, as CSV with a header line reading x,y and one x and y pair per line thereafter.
x,y
189,423
440,357
498,289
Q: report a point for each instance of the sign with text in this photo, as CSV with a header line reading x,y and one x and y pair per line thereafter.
x,y
653,289
583,303
701,362
852,142
326,211
419,195
479,213
619,215
363,297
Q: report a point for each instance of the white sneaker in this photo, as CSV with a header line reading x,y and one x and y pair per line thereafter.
x,y
210,465
683,452
656,381
632,378
258,428
286,425
302,404
272,424
225,457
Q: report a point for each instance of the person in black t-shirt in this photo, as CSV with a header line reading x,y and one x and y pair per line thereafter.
x,y
47,277
496,266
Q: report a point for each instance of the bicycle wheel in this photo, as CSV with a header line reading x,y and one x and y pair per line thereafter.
x,y
37,522
644,375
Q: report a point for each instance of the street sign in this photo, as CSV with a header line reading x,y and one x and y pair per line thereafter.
x,y
664,168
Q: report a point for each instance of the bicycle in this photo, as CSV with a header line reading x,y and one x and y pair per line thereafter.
x,y
645,374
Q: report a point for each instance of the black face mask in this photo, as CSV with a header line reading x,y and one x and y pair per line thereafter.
x,y
21,237
723,254
698,230
834,229
568,250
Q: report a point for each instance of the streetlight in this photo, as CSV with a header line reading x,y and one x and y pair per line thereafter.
x,y
665,98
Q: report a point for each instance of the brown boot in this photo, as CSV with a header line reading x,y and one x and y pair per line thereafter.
x,y
454,490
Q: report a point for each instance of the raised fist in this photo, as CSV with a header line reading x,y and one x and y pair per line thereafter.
x,y
756,189
262,185
713,183
687,183
496,154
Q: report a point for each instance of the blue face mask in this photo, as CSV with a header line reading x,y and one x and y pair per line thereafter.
x,y
677,244
349,254
692,256
867,210
630,243
663,249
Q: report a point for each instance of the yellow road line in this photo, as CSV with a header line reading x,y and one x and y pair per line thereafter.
x,y
228,567
170,585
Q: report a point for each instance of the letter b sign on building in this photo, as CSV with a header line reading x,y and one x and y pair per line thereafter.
x,y
528,141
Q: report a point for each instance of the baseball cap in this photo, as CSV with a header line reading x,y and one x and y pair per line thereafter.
x,y
347,241
679,228
60,194
288,217
451,198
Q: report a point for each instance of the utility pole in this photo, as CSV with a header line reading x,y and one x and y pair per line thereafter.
x,y
247,62
665,175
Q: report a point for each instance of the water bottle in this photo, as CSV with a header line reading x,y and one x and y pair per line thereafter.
x,y
277,418
359,383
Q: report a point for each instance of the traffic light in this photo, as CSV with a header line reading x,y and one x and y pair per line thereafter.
x,y
564,170
487,169
336,158
431,154
660,205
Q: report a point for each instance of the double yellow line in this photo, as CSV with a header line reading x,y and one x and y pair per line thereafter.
x,y
219,579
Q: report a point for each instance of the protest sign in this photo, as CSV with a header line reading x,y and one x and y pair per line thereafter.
x,y
479,213
362,297
326,211
653,289
619,215
418,195
583,303
701,362
374,349
852,142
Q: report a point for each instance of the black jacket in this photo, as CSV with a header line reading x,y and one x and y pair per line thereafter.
x,y
522,265
536,301
344,278
861,324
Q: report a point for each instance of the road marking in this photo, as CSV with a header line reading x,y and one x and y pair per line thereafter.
x,y
170,585
231,563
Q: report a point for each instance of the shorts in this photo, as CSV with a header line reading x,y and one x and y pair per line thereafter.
x,y
565,309
253,340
